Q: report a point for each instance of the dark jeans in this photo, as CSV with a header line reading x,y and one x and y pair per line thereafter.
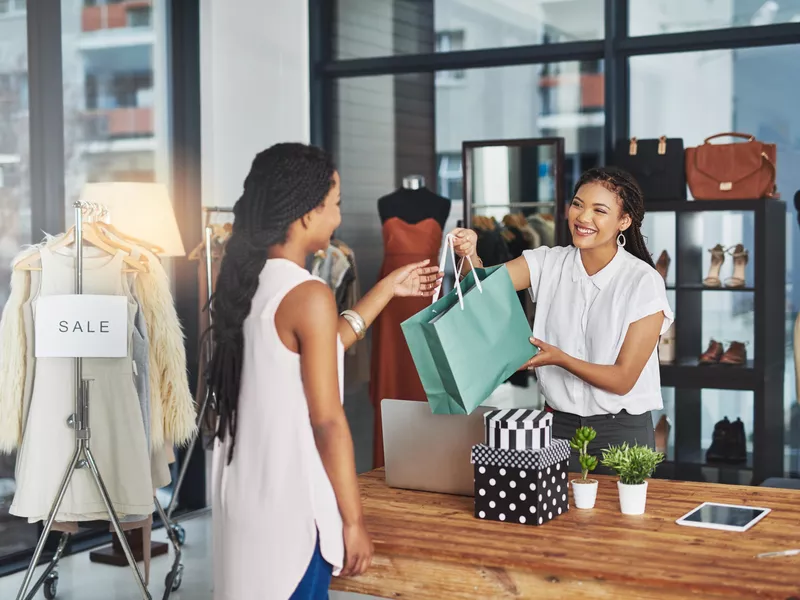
x,y
611,430
317,579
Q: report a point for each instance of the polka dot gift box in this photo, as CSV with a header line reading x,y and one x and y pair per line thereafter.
x,y
518,428
530,487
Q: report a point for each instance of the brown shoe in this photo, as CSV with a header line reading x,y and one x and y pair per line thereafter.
x,y
713,353
736,354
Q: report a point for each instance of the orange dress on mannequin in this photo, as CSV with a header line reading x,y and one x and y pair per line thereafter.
x,y
392,373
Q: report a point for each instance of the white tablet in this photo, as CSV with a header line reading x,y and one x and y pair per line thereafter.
x,y
728,517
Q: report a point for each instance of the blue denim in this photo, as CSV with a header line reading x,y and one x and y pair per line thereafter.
x,y
317,579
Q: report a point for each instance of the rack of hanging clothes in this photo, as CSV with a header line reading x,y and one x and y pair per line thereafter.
x,y
140,403
500,242
336,266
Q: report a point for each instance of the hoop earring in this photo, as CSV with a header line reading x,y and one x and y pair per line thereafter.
x,y
621,241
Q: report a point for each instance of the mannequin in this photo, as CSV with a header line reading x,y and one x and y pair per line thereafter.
x,y
413,220
413,202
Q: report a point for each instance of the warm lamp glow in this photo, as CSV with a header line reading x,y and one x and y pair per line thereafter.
x,y
139,210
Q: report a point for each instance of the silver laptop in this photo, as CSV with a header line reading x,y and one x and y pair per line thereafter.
x,y
429,452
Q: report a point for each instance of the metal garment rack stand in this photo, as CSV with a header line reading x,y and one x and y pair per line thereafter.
x,y
208,233
82,458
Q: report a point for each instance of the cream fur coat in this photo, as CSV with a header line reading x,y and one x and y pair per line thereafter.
x,y
172,412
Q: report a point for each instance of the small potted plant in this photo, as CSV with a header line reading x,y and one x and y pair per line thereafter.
x,y
584,490
634,465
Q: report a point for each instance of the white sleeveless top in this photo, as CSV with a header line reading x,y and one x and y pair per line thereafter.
x,y
269,502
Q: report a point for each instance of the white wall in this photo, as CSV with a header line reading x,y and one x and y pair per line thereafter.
x,y
255,86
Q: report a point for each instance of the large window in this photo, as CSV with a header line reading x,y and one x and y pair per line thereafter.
x,y
113,85
15,215
114,93
649,17
364,28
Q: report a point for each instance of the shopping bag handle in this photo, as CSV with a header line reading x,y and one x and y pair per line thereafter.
x,y
449,242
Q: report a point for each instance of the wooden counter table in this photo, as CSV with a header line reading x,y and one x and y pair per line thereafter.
x,y
429,546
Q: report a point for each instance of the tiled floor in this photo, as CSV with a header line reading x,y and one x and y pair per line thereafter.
x,y
80,579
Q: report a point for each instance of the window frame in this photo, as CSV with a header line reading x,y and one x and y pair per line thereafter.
x,y
47,187
614,49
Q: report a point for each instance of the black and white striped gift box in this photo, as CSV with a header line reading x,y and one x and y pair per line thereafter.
x,y
518,428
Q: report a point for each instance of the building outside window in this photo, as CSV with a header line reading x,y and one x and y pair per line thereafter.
x,y
449,41
450,176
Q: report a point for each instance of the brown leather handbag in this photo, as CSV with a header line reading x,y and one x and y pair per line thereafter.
x,y
738,171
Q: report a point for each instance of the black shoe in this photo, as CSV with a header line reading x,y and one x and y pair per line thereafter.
x,y
720,442
737,443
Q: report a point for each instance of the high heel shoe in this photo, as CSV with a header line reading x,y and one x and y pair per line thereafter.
x,y
740,259
717,259
662,265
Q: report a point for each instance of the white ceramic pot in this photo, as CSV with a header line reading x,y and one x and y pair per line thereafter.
x,y
584,493
632,498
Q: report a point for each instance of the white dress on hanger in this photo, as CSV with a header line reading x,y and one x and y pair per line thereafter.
x,y
118,441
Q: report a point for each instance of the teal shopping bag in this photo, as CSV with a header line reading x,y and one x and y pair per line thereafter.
x,y
470,341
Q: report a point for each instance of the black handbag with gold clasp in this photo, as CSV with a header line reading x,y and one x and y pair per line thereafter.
x,y
656,164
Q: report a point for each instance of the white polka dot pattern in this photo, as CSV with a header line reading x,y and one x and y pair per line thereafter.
x,y
499,497
531,460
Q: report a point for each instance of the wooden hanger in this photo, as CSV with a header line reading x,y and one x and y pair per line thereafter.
x,y
91,236
152,248
219,235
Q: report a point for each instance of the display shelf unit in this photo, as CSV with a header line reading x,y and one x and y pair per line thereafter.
x,y
763,373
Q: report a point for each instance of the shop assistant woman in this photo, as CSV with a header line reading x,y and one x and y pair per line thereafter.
x,y
600,309
286,505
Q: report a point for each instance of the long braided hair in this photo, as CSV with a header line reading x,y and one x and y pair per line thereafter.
x,y
630,195
285,182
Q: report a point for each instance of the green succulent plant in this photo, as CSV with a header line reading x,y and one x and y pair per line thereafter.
x,y
633,464
580,443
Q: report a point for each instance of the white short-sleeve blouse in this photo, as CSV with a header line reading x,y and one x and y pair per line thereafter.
x,y
588,317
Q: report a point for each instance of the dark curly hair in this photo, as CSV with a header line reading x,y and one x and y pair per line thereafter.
x,y
630,195
285,182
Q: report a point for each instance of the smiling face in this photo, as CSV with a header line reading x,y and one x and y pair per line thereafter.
x,y
595,217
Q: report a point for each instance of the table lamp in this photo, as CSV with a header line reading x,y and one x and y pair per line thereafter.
x,y
139,210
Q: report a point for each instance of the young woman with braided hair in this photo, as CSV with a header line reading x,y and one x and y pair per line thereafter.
x,y
286,504
601,307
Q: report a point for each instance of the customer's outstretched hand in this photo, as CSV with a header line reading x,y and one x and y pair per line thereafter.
x,y
417,279
358,550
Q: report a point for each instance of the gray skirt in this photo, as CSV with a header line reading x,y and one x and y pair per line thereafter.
x,y
611,430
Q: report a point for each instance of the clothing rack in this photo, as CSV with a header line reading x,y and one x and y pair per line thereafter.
x,y
83,458
208,233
